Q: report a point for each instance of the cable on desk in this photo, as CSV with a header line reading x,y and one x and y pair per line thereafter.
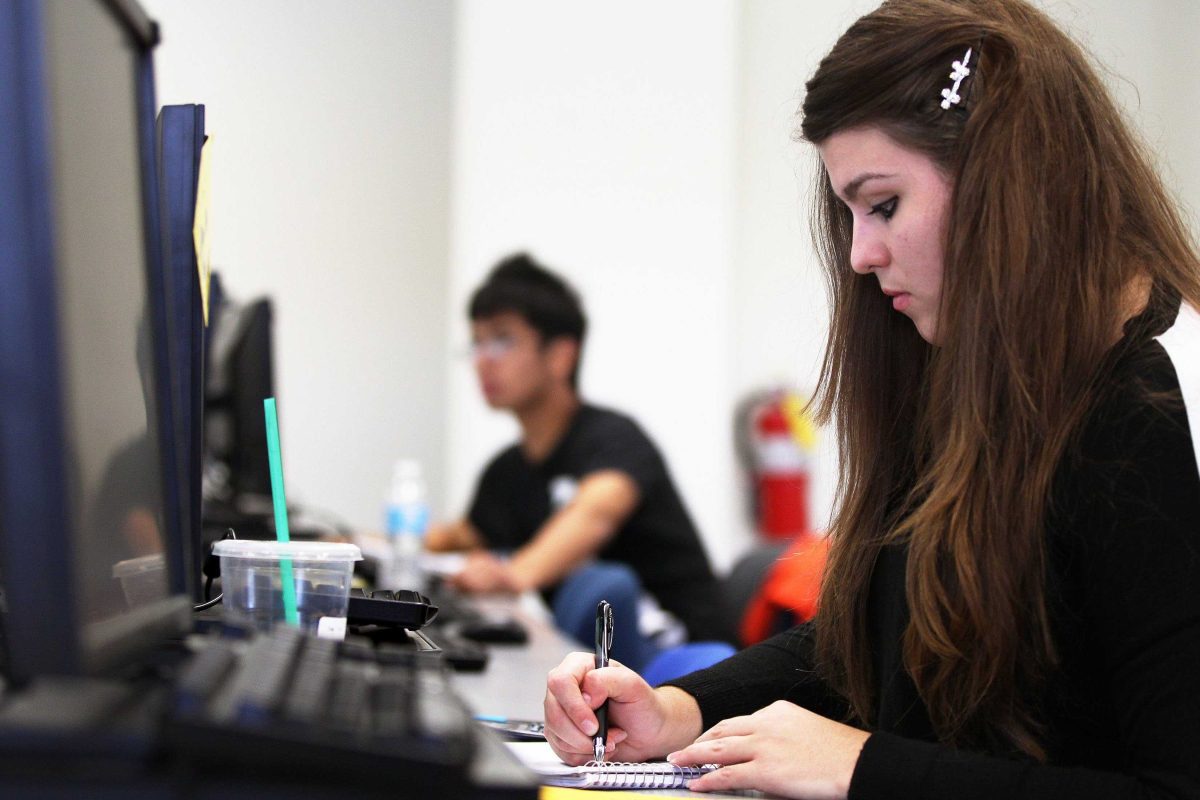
x,y
212,570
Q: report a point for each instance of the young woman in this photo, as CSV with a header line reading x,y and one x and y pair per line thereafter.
x,y
1012,603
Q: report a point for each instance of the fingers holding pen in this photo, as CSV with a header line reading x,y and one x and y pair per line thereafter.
x,y
567,738
563,734
574,690
636,716
564,685
575,751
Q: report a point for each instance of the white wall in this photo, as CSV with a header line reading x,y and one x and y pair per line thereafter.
x,y
330,127
375,158
1150,54
603,140
781,310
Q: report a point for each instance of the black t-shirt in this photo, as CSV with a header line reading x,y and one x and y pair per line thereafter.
x,y
515,497
1122,711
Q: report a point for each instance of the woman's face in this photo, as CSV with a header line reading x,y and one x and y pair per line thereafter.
x,y
900,202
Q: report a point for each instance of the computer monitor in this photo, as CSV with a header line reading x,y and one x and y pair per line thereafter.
x,y
241,375
180,137
86,427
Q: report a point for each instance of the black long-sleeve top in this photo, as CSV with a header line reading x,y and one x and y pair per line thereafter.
x,y
1123,709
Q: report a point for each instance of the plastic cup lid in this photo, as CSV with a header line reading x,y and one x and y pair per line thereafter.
x,y
301,551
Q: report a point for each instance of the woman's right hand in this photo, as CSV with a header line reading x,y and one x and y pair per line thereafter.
x,y
643,723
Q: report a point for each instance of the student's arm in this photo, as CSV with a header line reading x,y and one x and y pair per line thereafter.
x,y
572,535
449,536
577,531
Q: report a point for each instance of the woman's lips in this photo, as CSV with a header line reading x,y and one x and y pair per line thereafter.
x,y
900,300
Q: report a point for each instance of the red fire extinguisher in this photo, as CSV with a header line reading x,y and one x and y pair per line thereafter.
x,y
782,467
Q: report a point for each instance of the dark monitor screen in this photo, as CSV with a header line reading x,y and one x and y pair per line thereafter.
x,y
84,526
251,365
241,376
180,137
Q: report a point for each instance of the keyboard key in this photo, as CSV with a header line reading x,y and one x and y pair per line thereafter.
x,y
200,678
309,693
351,697
262,678
392,703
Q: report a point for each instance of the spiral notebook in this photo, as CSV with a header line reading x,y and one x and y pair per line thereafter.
x,y
610,775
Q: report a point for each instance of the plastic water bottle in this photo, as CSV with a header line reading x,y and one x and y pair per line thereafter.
x,y
407,519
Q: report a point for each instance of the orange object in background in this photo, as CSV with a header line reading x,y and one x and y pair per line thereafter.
x,y
789,594
776,444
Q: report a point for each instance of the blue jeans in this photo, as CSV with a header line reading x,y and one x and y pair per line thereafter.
x,y
575,610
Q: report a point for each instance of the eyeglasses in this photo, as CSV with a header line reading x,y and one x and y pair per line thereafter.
x,y
492,348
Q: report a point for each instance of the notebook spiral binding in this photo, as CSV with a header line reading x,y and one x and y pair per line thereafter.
x,y
630,775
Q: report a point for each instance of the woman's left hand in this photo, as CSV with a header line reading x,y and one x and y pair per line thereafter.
x,y
782,749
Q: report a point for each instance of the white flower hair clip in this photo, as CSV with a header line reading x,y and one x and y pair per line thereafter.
x,y
950,96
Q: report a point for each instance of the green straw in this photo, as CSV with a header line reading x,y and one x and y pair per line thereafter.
x,y
290,614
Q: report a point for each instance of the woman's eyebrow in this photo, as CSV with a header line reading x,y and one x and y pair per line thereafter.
x,y
850,190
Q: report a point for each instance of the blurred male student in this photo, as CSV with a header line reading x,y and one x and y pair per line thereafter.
x,y
583,502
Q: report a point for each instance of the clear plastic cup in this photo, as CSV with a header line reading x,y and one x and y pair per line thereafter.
x,y
143,579
252,582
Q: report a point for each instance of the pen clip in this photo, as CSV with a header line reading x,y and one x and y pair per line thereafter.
x,y
604,629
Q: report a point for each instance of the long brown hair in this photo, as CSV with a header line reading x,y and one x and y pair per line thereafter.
x,y
952,450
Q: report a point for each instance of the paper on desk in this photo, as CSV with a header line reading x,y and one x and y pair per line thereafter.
x,y
444,564
539,757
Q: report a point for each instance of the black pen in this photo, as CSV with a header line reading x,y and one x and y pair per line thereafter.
x,y
604,636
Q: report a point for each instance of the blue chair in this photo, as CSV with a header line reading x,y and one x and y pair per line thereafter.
x,y
677,661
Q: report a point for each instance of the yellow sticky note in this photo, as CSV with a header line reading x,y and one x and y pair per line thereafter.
x,y
201,238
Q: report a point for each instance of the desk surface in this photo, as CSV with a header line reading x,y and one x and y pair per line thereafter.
x,y
514,683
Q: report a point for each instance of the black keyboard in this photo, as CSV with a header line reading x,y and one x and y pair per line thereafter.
x,y
403,608
448,622
290,703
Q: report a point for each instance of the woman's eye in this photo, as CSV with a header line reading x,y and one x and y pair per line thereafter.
x,y
885,209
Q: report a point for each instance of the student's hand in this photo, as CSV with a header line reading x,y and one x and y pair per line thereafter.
x,y
484,573
643,722
782,749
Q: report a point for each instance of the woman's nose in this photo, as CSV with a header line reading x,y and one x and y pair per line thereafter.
x,y
867,250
